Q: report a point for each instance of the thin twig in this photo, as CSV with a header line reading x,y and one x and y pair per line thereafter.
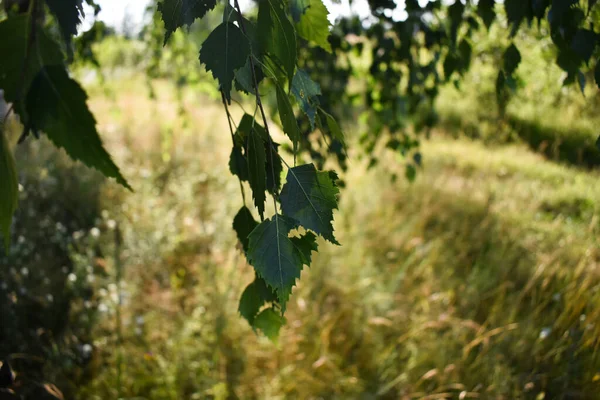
x,y
229,118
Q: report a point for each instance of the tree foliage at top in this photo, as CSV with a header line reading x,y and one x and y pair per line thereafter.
x,y
290,50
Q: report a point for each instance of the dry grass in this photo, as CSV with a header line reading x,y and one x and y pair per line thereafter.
x,y
480,280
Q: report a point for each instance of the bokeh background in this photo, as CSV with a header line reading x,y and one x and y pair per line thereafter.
x,y
480,278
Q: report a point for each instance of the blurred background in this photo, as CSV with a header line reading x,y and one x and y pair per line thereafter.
x,y
477,278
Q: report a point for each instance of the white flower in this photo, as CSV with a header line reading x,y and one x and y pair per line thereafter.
x,y
72,277
95,232
24,271
545,332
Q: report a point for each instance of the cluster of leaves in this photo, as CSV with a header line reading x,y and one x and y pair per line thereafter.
x,y
247,55
243,55
34,78
409,58
282,50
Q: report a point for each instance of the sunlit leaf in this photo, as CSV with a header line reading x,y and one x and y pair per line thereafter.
x,y
310,196
314,24
305,91
269,322
274,257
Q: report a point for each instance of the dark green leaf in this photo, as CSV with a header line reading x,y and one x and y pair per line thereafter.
x,y
177,13
598,143
305,245
276,34
68,14
306,91
516,11
243,224
512,59
9,186
224,51
269,322
238,165
485,9
253,298
255,154
334,128
597,74
581,81
451,64
310,196
14,78
274,256
244,81
56,104
274,168
288,119
584,43
314,25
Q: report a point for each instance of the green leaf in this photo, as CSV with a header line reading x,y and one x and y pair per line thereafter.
x,y
14,78
274,168
244,82
238,165
243,224
68,14
256,156
305,245
9,187
288,119
269,322
276,34
598,143
314,25
485,9
298,8
310,196
274,256
516,10
56,104
306,91
224,51
512,59
253,298
583,44
177,13
334,128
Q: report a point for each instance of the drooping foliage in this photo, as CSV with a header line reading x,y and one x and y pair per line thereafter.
x,y
291,50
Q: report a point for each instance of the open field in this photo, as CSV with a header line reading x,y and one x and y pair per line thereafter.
x,y
479,280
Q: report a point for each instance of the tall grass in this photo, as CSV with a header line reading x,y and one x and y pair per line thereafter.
x,y
480,280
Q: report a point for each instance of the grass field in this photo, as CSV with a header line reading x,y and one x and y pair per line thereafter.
x,y
479,280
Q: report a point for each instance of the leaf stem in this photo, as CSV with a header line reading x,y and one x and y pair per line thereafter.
x,y
232,140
